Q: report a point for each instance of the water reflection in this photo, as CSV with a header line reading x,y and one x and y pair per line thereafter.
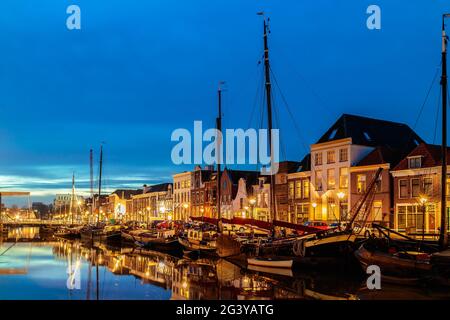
x,y
58,269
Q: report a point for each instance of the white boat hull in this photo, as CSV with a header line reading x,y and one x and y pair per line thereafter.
x,y
270,263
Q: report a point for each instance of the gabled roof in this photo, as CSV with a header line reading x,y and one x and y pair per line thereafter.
x,y
251,177
430,153
381,155
158,187
288,166
372,132
126,193
305,164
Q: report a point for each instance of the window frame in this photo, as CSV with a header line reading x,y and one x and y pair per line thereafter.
x,y
400,189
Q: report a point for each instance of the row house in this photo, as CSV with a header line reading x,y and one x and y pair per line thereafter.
x,y
299,204
236,193
115,207
210,201
199,195
363,173
260,201
154,203
417,190
281,189
182,195
350,140
341,165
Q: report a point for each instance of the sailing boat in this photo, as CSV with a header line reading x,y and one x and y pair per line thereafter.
x,y
407,260
100,231
203,237
72,231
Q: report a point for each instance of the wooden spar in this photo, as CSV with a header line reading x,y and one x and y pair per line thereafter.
x,y
100,184
72,198
91,173
218,152
370,189
443,236
268,86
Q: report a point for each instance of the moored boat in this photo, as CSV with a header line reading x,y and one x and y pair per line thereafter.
x,y
98,233
404,260
68,232
270,262
160,239
199,240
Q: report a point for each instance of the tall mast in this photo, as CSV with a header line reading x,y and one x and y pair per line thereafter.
x,y
91,169
100,184
273,215
219,129
72,198
443,237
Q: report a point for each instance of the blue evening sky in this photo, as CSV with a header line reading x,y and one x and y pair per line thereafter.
x,y
137,70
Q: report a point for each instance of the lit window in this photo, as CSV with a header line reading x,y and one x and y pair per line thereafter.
x,y
331,156
305,189
318,180
361,183
377,211
331,179
343,178
343,155
298,189
318,158
291,190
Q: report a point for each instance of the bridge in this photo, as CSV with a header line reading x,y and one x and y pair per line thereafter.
x,y
35,222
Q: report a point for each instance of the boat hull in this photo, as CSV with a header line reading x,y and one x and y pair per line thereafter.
x,y
196,246
270,263
100,236
394,269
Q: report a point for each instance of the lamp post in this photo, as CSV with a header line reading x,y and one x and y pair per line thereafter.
x,y
147,218
185,207
162,210
314,205
423,201
341,196
252,202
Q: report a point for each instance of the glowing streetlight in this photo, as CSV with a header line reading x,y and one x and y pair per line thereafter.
x,y
423,200
314,205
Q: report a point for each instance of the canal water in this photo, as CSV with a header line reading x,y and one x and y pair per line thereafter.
x,y
36,267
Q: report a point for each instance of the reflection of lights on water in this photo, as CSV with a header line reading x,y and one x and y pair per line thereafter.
x,y
184,284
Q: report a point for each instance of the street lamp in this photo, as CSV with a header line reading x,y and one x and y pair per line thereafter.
x,y
314,205
185,206
423,201
162,209
341,196
252,202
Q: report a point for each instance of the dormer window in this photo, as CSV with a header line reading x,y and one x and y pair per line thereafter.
x,y
414,162
332,134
